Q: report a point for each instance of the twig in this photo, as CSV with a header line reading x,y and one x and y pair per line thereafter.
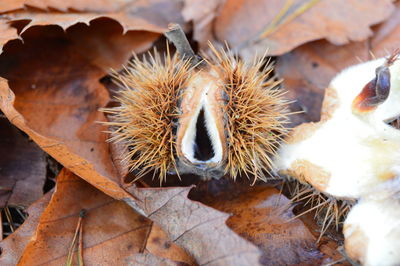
x,y
82,214
78,234
176,35
1,228
9,218
284,16
393,57
21,213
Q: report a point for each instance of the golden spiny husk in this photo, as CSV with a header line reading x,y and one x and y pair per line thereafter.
x,y
148,111
256,114
144,121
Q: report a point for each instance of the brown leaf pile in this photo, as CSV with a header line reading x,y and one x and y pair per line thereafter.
x,y
55,58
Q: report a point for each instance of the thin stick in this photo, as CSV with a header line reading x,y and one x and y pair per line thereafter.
x,y
70,256
176,35
77,236
284,16
9,218
1,228
82,214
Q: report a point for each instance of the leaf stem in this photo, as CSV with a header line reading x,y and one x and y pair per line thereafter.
x,y
176,35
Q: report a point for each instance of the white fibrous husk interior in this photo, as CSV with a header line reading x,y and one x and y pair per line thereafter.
x,y
345,154
354,155
372,232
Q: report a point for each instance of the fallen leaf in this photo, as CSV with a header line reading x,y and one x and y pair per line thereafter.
x,y
112,231
64,6
160,245
13,246
148,15
10,5
22,168
7,33
329,242
197,228
151,260
386,37
279,26
66,20
307,70
263,216
202,14
55,91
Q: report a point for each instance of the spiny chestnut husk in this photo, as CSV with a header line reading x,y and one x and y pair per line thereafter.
x,y
215,117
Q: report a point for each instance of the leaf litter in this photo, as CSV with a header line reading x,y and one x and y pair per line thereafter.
x,y
307,70
53,93
81,219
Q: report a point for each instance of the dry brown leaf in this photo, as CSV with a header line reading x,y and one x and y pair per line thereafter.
x,y
330,242
308,69
199,229
11,5
148,259
64,6
202,14
7,33
386,37
160,245
13,246
160,12
255,26
112,231
150,15
66,20
22,168
263,216
55,79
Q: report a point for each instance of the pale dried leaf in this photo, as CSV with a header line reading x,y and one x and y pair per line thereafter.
x,y
13,246
111,230
264,216
160,245
243,23
148,259
199,229
202,14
